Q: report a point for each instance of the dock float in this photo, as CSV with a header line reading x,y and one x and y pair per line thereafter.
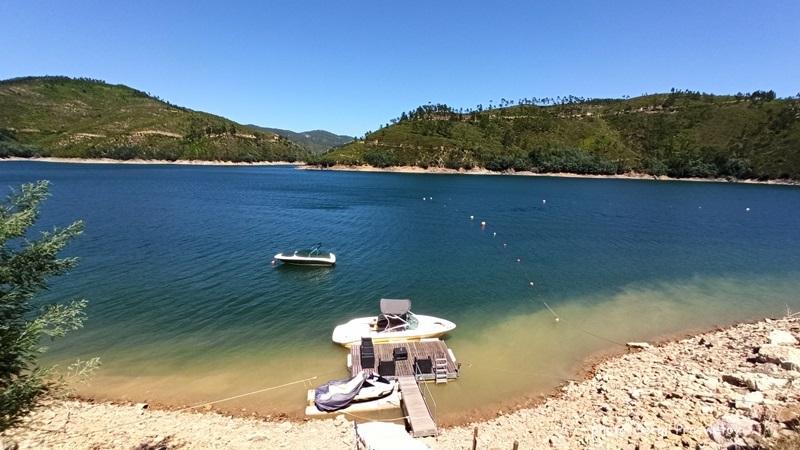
x,y
392,401
415,408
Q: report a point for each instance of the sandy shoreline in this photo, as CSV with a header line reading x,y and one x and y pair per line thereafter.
x,y
736,385
396,169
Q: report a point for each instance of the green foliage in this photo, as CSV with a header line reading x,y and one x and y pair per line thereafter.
x,y
65,117
379,157
680,134
316,142
25,267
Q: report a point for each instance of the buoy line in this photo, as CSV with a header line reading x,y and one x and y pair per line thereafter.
x,y
504,249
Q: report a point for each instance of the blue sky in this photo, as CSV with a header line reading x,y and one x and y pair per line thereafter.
x,y
350,66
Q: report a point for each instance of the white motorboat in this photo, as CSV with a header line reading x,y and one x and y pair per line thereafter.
x,y
396,323
308,257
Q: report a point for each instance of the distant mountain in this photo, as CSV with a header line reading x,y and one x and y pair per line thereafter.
x,y
317,141
84,118
680,134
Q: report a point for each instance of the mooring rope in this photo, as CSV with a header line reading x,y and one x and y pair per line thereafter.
x,y
199,405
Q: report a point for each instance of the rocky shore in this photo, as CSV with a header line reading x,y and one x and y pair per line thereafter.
x,y
732,388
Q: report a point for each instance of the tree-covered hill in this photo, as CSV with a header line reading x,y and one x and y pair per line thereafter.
x,y
83,118
680,134
317,141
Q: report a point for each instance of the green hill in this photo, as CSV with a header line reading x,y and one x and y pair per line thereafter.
x,y
317,141
82,118
680,134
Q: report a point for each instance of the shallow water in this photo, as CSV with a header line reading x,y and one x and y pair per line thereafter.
x,y
185,307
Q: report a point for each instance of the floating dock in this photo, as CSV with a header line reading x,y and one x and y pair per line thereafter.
x,y
426,360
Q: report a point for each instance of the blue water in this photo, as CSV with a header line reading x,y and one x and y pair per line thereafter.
x,y
185,305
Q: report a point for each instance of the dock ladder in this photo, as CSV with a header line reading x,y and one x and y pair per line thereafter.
x,y
441,369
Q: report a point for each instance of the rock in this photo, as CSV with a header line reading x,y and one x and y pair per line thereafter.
x,y
730,426
786,357
755,381
635,394
749,400
781,337
8,444
638,345
789,414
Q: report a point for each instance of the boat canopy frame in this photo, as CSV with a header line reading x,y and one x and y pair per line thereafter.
x,y
395,316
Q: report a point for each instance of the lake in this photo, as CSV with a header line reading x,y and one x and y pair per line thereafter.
x,y
186,307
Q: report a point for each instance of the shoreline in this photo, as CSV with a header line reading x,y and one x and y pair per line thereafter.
x,y
476,171
688,392
398,169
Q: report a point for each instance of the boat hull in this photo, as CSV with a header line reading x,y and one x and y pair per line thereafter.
x,y
298,260
353,331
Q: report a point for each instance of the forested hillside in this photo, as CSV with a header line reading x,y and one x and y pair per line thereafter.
x,y
317,141
680,134
83,118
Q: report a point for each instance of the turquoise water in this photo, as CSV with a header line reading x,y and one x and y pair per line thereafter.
x,y
186,307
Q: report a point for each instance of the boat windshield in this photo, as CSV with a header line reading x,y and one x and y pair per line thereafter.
x,y
387,323
413,323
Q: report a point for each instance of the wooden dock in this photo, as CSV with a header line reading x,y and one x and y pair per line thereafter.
x,y
415,408
443,365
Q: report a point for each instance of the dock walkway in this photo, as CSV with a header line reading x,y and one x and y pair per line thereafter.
x,y
415,408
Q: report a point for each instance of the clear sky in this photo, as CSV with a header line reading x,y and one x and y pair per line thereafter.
x,y
349,66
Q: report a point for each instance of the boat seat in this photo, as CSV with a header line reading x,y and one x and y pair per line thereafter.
x,y
367,355
386,368
366,342
422,366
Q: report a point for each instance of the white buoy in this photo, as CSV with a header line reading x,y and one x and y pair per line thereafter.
x,y
531,283
483,224
747,209
471,217
494,234
544,202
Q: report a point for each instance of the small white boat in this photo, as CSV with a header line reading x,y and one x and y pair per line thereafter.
x,y
374,387
338,394
396,323
308,257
